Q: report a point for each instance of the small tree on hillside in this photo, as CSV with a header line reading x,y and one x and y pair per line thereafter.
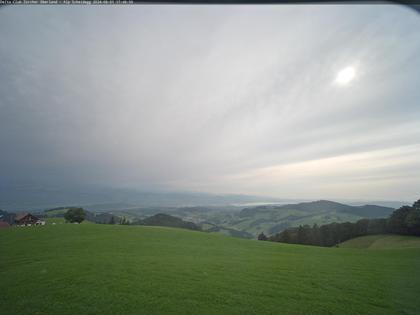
x,y
412,220
285,236
262,237
75,215
397,220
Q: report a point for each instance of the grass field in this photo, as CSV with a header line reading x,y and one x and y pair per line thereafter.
x,y
105,269
52,220
383,242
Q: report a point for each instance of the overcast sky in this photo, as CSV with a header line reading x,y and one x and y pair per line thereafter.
x,y
285,101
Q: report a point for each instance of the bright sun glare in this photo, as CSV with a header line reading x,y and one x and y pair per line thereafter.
x,y
345,76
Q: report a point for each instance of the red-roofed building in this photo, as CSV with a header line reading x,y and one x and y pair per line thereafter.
x,y
27,219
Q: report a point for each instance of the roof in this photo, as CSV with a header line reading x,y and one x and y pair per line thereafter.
x,y
20,216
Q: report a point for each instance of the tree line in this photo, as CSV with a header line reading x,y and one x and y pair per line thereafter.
x,y
404,220
79,215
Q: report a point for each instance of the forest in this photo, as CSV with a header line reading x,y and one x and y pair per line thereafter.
x,y
404,220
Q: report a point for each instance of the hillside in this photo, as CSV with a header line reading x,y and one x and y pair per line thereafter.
x,y
162,219
109,269
272,219
248,222
383,241
238,221
324,206
101,217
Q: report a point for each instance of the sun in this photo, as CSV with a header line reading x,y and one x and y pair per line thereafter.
x,y
345,76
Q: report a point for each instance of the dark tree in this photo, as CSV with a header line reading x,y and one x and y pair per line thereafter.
x,y
315,235
416,205
377,226
397,220
286,236
412,220
75,215
112,220
300,235
361,227
262,237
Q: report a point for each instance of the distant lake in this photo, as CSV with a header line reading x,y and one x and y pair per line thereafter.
x,y
262,203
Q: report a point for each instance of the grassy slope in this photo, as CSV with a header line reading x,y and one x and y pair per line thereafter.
x,y
103,269
383,242
61,221
52,213
263,221
54,220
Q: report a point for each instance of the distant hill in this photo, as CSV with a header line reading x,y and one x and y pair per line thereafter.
x,y
248,222
272,219
162,219
371,211
382,241
236,221
59,212
366,211
56,212
210,227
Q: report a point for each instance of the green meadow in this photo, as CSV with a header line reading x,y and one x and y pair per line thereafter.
x,y
61,221
383,242
107,269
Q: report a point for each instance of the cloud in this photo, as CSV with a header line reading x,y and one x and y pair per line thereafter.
x,y
213,98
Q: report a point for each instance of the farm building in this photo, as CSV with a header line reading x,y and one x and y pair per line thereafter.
x,y
27,219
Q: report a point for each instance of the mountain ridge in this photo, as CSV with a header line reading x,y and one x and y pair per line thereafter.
x,y
326,205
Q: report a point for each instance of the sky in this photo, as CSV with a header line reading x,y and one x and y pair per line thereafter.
x,y
290,101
